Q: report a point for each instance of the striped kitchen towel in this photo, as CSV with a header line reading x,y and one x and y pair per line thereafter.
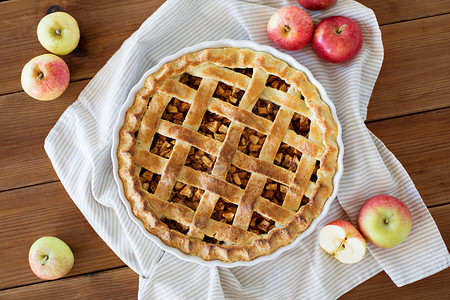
x,y
80,142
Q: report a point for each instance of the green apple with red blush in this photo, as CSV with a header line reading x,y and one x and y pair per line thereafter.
x,y
50,258
385,221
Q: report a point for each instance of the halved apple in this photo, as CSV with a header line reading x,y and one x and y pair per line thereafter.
x,y
342,240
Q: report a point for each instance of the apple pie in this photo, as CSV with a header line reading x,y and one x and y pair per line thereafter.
x,y
227,154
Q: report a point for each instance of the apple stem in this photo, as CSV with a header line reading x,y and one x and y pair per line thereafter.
x,y
388,219
44,260
341,29
287,28
58,31
40,76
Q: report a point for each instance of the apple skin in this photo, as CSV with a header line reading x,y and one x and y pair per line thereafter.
x,y
337,39
59,33
385,221
316,4
343,241
290,28
50,258
45,77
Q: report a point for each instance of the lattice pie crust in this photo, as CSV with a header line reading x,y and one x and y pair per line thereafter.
x,y
227,154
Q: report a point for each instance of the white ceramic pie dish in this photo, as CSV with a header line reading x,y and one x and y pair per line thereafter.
x,y
217,44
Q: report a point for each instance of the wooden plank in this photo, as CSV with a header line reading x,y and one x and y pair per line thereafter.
x,y
123,283
30,213
381,287
415,72
24,124
441,215
120,283
420,143
390,11
433,287
104,26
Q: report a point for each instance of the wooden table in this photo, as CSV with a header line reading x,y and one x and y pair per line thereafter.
x,y
409,111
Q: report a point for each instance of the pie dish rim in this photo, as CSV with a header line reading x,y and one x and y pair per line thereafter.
x,y
220,44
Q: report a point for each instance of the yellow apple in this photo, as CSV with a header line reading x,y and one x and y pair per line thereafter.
x,y
58,32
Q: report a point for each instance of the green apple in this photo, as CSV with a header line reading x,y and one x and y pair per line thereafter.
x,y
58,32
343,241
50,258
45,77
385,221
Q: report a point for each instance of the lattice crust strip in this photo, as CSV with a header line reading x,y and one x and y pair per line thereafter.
x,y
223,158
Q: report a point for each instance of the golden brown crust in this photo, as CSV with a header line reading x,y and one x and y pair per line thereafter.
x,y
238,240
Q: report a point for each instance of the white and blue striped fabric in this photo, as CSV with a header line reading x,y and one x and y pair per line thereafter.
x,y
79,147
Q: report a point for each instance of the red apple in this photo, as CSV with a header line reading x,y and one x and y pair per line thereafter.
x,y
385,221
316,4
337,39
50,258
343,241
290,27
45,77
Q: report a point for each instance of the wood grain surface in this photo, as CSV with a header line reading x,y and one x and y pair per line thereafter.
x,y
409,111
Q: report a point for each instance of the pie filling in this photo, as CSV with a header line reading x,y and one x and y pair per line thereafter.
x,y
300,124
266,109
259,224
214,126
162,145
277,83
287,157
176,111
224,211
229,94
186,195
251,142
200,160
275,191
